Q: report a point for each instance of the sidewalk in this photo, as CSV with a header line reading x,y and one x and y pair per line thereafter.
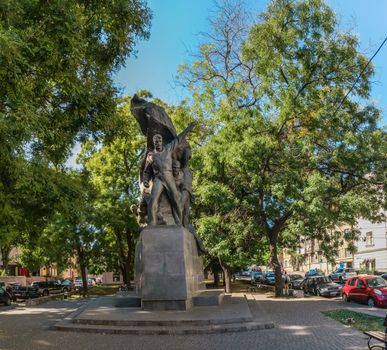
x,y
301,325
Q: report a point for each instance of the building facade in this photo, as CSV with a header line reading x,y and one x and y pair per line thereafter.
x,y
371,255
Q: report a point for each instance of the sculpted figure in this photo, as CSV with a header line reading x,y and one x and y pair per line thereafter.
x,y
158,168
183,180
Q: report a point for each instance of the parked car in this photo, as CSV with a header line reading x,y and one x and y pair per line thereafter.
x,y
256,277
314,272
91,281
268,278
5,297
47,287
27,292
243,275
370,290
295,281
384,276
67,285
78,284
320,285
342,274
7,288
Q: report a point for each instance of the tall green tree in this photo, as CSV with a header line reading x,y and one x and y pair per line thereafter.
x,y
113,169
306,158
56,61
69,233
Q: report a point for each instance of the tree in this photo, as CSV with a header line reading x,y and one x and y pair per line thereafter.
x,y
70,232
223,218
307,158
56,61
113,169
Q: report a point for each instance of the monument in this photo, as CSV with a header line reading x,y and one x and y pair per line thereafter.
x,y
168,268
168,265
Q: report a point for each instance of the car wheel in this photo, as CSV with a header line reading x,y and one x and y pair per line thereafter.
x,y
315,292
65,289
345,298
45,293
8,302
371,302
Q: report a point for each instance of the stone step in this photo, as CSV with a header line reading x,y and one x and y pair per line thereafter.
x,y
162,330
156,323
208,297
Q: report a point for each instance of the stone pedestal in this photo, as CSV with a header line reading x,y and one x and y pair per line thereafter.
x,y
168,270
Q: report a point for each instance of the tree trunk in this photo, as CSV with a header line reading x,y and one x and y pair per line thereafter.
x,y
126,254
82,267
125,268
216,277
274,262
5,250
227,276
216,270
129,261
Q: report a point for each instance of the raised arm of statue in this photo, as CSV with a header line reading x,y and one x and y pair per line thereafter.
x,y
179,138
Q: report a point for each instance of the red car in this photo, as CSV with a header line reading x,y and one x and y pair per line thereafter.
x,y
370,290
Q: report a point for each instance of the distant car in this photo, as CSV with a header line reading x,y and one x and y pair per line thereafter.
x,y
5,297
370,290
256,277
295,281
342,274
314,272
91,281
27,292
78,284
268,278
47,287
320,285
243,275
67,285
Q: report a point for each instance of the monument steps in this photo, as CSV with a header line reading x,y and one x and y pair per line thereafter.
x,y
100,316
163,330
166,323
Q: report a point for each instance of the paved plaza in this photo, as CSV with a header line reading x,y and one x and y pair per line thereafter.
x,y
298,325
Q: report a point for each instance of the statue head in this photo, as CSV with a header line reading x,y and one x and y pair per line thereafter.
x,y
175,167
158,142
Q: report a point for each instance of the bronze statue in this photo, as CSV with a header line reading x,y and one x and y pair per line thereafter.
x,y
165,178
158,166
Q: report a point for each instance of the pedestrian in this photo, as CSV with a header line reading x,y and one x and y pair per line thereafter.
x,y
286,280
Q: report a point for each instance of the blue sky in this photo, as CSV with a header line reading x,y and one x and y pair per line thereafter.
x,y
175,28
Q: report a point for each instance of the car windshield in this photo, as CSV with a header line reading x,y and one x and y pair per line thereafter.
x,y
323,280
376,282
296,277
270,274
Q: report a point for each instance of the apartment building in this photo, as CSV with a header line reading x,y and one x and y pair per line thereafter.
x,y
371,252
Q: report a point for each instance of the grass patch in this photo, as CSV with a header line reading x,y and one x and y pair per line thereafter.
x,y
362,323
103,289
98,290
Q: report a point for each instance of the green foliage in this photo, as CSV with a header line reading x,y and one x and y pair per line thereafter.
x,y
56,61
270,92
113,169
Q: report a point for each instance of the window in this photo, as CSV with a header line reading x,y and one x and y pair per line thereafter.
x,y
352,282
369,239
360,284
